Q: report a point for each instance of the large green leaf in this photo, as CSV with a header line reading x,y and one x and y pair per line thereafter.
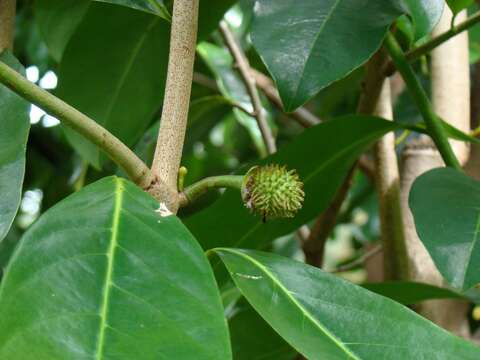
x,y
445,206
325,317
262,344
14,128
114,70
322,155
103,276
307,45
58,20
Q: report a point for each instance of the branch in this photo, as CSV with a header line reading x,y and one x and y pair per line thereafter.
x,y
173,124
7,24
357,262
71,117
434,125
314,247
304,117
194,191
424,49
246,73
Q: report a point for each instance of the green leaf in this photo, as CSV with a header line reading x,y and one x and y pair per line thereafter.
x,y
58,20
425,14
14,128
262,344
458,5
307,45
101,275
231,85
445,206
322,156
325,317
156,7
410,293
123,88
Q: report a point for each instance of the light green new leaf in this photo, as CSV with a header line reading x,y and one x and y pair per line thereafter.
x,y
103,276
307,45
446,207
322,156
458,5
325,317
14,128
114,70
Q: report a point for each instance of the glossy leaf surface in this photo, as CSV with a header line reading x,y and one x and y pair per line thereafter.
x,y
133,65
307,45
102,276
322,155
445,206
14,128
325,317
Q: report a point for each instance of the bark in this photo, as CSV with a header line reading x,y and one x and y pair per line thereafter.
x,y
173,123
388,188
450,97
7,24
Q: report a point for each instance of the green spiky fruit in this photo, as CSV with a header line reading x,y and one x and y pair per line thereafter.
x,y
273,191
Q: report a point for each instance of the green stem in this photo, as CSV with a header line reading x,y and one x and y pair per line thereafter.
x,y
112,146
192,192
440,39
434,125
424,49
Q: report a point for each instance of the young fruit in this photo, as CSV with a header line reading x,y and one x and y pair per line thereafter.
x,y
273,191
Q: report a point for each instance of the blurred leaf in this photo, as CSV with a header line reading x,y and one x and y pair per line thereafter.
x,y
445,206
458,5
308,45
409,293
14,128
425,15
325,317
114,280
261,344
57,21
322,155
123,88
233,88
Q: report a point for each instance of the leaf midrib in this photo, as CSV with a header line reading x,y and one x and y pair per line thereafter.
x,y
307,314
119,189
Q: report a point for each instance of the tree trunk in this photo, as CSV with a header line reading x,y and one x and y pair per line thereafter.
x,y
451,101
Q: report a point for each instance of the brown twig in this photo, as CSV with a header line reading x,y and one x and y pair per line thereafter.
x,y
360,261
246,73
315,245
